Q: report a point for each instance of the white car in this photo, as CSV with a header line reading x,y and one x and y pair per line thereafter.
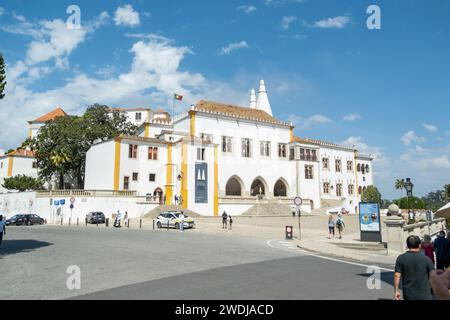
x,y
172,220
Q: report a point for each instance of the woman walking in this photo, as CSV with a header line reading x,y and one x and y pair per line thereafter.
x,y
340,224
331,226
427,247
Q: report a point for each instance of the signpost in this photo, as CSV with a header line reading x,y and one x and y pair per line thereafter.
x,y
72,201
370,222
298,202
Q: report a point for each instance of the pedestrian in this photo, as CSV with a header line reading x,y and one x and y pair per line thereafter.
x,y
117,221
125,219
181,217
427,247
294,212
413,269
331,227
230,223
175,198
340,225
2,229
440,283
442,248
224,220
164,198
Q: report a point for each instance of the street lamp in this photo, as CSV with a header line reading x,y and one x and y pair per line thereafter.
x,y
409,188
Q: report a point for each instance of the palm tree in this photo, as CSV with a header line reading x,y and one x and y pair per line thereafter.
x,y
400,185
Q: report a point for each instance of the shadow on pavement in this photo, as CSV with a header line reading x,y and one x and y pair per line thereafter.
x,y
9,247
386,277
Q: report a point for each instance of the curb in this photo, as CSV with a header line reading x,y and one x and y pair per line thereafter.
x,y
331,254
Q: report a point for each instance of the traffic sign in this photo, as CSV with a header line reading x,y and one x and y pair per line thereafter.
x,y
62,202
72,200
71,206
298,201
56,203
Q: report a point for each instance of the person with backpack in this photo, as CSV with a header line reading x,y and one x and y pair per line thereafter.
x,y
340,225
230,223
224,220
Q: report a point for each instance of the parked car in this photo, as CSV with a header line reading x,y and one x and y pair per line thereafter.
x,y
172,220
95,217
24,219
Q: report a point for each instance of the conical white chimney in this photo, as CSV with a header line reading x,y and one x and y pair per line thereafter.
x,y
262,102
253,99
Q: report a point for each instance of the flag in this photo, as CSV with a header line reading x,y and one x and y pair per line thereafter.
x,y
177,97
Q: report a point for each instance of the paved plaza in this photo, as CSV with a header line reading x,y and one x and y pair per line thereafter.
x,y
160,264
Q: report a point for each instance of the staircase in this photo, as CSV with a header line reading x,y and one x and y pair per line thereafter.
x,y
164,208
328,204
269,209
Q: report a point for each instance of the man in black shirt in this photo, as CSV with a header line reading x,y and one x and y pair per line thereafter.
x,y
413,268
442,249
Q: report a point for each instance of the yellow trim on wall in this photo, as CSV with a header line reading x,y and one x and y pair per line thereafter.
x,y
147,130
216,181
10,166
184,170
192,123
117,147
169,173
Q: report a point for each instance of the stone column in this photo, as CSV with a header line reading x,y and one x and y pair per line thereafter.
x,y
394,232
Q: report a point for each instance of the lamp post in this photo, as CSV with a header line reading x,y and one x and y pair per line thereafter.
x,y
409,188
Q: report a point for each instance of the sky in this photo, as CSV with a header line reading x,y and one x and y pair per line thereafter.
x,y
385,91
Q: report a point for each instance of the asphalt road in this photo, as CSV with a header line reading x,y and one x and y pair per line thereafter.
x,y
135,264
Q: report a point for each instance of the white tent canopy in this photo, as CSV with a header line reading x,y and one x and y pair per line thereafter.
x,y
443,212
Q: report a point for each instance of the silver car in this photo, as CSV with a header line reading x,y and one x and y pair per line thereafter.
x,y
172,220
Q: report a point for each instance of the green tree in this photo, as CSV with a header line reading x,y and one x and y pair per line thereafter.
x,y
410,203
62,143
385,203
400,185
371,194
22,183
434,200
447,191
2,76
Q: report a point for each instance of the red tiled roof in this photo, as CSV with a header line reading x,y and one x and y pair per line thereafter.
x,y
58,112
22,153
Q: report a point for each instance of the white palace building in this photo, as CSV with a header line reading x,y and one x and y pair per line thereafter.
x,y
219,157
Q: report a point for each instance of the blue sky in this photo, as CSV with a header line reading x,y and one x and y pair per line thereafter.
x,y
385,91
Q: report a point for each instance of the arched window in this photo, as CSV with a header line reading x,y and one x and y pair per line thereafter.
x,y
360,190
233,187
367,168
280,189
358,167
257,188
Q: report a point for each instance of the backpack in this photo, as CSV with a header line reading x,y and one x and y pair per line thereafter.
x,y
339,223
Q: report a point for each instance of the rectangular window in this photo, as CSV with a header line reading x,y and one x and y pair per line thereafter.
x,y
326,187
339,190
291,154
265,148
227,145
201,154
132,151
309,172
152,177
246,148
350,166
282,150
351,189
302,154
325,164
135,176
138,116
126,183
338,166
152,153
206,138
313,155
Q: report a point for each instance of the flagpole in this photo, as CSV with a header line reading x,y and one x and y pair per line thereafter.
x,y
173,108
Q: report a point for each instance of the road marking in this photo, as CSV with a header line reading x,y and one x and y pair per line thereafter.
x,y
329,258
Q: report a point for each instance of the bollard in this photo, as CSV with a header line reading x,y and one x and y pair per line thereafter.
x,y
167,225
85,220
107,222
97,222
128,223
70,221
153,224
61,221
78,222
140,224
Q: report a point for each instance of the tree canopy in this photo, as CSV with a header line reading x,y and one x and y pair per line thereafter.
x,y
2,76
62,143
410,203
22,183
371,194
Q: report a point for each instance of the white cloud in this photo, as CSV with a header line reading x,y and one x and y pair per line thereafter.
x,y
232,47
307,123
2,11
352,117
430,127
286,22
410,137
247,8
275,3
333,23
126,16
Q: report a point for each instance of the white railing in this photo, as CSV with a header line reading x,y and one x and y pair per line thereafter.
x,y
85,193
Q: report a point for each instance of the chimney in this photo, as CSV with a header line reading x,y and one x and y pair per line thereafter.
x,y
262,102
253,99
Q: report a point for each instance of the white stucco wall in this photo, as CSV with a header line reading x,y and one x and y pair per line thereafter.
x,y
99,173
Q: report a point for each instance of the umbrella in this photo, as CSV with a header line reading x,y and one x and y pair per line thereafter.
x,y
443,212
